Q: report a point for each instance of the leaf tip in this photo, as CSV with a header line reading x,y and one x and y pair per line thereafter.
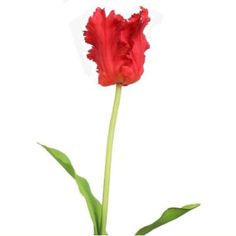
x,y
40,144
191,206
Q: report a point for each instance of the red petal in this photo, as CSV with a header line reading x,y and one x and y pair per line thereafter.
x,y
103,33
137,41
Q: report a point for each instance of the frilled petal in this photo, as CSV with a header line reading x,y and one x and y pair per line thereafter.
x,y
138,43
103,33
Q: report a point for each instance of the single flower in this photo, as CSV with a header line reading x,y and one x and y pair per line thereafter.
x,y
118,46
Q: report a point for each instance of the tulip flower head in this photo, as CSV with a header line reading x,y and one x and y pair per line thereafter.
x,y
118,46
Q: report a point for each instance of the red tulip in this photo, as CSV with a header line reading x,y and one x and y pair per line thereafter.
x,y
118,46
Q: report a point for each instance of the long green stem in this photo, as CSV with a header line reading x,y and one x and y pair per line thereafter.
x,y
107,173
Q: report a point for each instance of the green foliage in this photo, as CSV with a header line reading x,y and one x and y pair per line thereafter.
x,y
94,206
168,215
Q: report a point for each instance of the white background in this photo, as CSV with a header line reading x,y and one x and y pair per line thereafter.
x,y
176,131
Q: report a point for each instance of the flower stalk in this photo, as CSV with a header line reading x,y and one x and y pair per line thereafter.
x,y
107,173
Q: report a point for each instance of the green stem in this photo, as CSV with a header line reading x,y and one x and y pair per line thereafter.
x,y
107,173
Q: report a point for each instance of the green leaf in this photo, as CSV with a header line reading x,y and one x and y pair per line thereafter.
x,y
94,206
168,215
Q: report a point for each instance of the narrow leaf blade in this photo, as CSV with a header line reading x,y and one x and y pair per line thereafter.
x,y
168,215
94,206
62,159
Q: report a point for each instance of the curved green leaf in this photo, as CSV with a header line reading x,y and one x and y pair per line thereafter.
x,y
168,215
94,206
